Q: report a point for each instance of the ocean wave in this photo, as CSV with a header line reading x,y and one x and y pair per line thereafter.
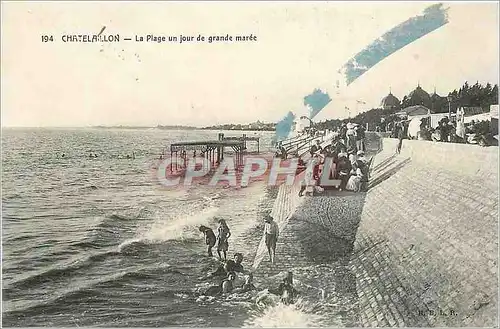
x,y
180,228
116,216
91,290
48,275
18,238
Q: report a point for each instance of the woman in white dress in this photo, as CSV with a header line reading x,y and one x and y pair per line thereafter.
x,y
460,130
354,181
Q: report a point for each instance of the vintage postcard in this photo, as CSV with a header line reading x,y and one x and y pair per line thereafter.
x,y
249,164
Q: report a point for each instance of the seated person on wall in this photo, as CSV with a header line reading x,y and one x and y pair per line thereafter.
x,y
318,170
315,148
301,166
436,135
343,169
326,151
354,182
337,147
362,164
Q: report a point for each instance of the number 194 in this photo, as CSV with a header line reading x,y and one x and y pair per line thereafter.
x,y
47,38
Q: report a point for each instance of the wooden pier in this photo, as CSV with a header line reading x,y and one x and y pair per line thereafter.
x,y
244,139
212,150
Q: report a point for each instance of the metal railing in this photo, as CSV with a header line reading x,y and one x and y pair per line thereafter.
x,y
296,145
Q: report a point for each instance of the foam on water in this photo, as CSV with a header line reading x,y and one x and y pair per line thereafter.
x,y
181,228
297,315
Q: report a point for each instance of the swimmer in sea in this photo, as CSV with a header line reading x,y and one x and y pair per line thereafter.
x,y
225,287
222,270
238,259
247,286
286,290
210,238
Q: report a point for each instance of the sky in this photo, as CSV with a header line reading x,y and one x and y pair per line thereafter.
x,y
300,47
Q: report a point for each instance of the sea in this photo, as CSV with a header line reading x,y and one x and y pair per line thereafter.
x,y
99,242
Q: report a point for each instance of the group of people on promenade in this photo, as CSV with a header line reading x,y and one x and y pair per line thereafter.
x,y
350,166
447,131
230,269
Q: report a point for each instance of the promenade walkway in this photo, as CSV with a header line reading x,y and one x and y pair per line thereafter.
x,y
427,248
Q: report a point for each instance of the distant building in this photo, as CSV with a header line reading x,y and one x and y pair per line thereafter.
x,y
420,97
417,97
412,111
390,102
437,101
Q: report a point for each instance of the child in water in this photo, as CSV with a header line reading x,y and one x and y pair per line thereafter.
x,y
286,290
210,238
223,234
225,287
247,286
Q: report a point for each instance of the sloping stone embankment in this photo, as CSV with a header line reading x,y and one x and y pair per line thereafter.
x,y
426,250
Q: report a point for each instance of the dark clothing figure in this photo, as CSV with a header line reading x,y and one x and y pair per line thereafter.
x,y
226,268
283,153
315,148
301,165
210,238
286,290
337,147
360,138
343,132
351,144
343,167
363,166
394,133
225,286
400,139
247,286
219,272
238,267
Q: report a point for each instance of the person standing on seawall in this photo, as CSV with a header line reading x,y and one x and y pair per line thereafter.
x,y
400,137
360,138
223,234
271,233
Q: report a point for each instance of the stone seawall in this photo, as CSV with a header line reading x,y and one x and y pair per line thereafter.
x,y
426,250
420,248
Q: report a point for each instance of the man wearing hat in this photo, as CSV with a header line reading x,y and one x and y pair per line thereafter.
x,y
360,137
362,164
271,232
343,167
